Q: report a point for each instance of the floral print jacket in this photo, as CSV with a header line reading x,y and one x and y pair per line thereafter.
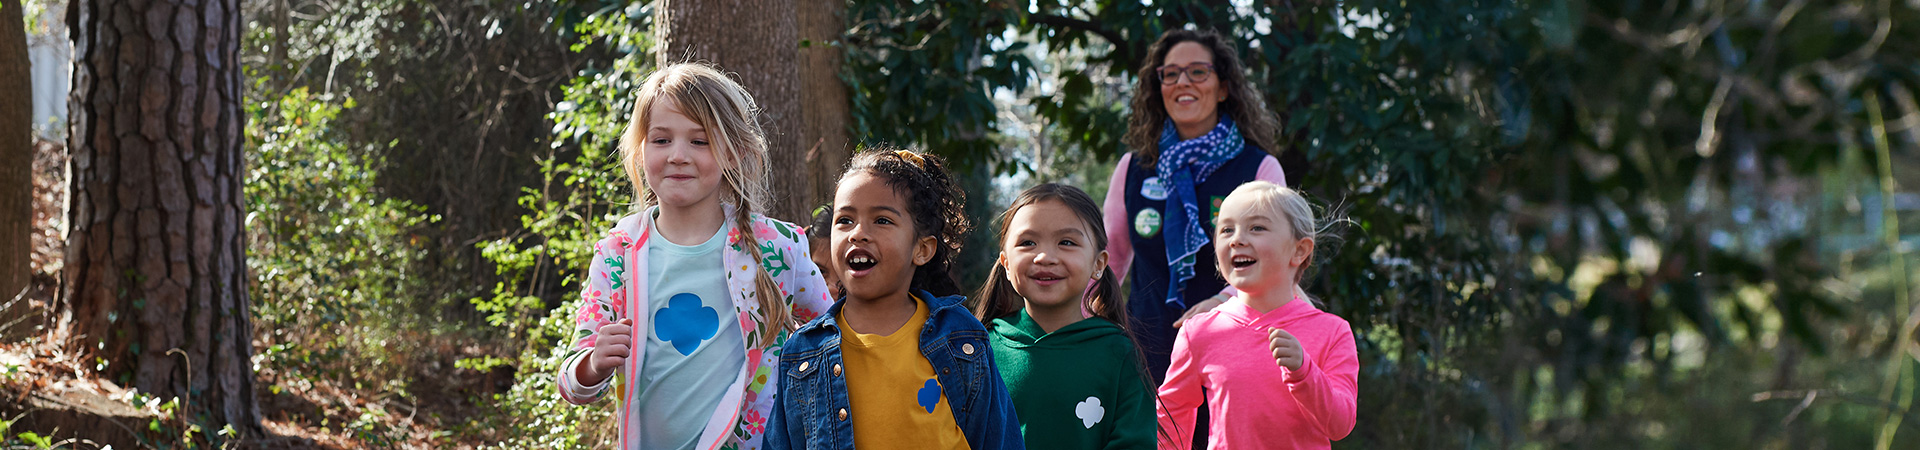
x,y
617,285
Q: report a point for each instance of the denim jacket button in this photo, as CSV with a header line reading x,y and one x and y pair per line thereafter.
x,y
966,348
843,414
836,370
803,366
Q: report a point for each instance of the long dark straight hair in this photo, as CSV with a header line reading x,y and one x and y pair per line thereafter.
x,y
997,299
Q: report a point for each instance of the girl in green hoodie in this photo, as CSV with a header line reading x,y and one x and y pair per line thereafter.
x,y
1058,329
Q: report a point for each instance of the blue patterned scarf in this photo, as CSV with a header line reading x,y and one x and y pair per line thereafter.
x,y
1182,165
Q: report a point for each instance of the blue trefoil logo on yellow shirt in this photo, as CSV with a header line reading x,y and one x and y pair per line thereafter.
x,y
930,395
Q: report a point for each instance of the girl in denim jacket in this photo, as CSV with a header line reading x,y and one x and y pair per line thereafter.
x,y
688,302
891,365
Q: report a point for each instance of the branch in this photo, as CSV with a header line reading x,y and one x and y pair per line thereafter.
x,y
1120,43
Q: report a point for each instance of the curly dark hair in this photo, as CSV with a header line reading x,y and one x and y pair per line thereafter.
x,y
1257,125
934,199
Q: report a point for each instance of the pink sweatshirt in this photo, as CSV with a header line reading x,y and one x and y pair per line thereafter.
x,y
1255,403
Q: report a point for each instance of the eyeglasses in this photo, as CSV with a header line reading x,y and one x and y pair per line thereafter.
x,y
1197,72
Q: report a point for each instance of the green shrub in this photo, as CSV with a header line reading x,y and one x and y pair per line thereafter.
x,y
329,254
584,191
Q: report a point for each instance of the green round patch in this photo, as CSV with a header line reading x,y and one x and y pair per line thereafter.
x,y
1147,223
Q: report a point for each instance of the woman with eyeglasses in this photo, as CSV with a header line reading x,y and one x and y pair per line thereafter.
x,y
1198,131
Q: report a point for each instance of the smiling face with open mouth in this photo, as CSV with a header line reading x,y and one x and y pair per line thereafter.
x,y
1050,255
1256,246
876,247
1192,106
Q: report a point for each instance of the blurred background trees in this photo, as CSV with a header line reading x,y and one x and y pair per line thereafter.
x,y
1573,224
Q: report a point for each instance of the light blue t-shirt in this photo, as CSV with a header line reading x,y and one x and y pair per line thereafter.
x,y
694,348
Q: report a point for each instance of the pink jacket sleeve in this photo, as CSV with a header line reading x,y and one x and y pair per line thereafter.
x,y
1327,386
810,299
1114,215
601,303
1180,396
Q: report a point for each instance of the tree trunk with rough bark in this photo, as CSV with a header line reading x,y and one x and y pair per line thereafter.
x,y
824,96
155,278
16,157
756,41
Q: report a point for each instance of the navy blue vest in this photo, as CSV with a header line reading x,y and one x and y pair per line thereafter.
x,y
1146,301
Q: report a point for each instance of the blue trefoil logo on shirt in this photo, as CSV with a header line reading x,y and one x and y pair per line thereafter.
x,y
685,323
930,395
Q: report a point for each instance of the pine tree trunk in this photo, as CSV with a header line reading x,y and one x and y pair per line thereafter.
x,y
155,279
758,42
824,96
16,157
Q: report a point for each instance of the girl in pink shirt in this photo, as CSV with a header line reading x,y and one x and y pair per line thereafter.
x,y
1278,372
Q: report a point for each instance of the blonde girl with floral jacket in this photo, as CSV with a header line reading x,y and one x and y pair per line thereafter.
x,y
691,324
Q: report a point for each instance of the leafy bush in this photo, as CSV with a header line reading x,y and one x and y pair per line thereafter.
x,y
584,191
330,255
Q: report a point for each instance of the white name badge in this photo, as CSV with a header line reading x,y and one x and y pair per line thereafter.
x,y
1153,188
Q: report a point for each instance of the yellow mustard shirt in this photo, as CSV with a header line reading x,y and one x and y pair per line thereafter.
x,y
896,400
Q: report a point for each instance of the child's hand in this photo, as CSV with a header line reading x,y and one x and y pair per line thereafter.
x,y
611,346
1286,350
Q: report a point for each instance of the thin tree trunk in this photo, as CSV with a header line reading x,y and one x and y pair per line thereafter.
x,y
155,278
16,156
758,42
824,96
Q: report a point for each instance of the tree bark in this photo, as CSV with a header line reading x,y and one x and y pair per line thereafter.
x,y
155,278
16,157
758,42
824,97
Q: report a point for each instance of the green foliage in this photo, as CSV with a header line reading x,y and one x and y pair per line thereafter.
x,y
452,99
923,73
367,116
1667,191
584,190
330,253
35,440
334,261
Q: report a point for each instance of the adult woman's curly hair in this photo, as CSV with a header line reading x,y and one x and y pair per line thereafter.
x,y
1257,124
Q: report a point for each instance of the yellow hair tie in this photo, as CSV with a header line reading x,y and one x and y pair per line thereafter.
x,y
917,160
